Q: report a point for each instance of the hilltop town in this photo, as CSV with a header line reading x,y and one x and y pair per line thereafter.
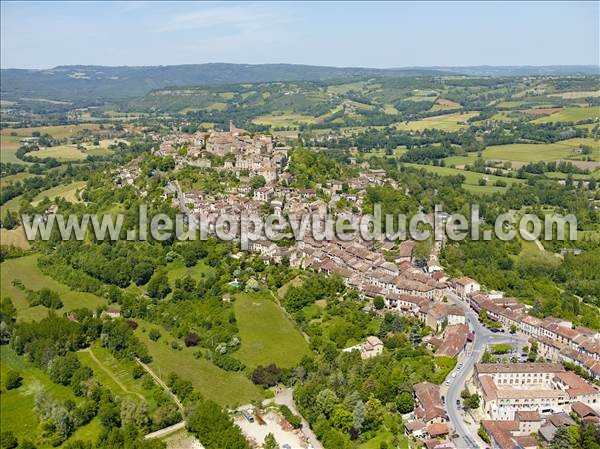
x,y
518,398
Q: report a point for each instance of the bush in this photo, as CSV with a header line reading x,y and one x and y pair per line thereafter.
x,y
294,420
267,376
13,380
154,334
228,363
8,440
191,339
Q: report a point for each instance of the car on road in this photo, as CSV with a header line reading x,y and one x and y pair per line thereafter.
x,y
447,382
453,374
460,365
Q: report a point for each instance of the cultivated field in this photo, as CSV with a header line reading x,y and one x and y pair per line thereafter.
x,y
577,94
570,115
8,149
284,120
531,152
266,333
59,131
448,122
14,237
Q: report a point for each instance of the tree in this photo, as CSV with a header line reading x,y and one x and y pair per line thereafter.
x,y
406,402
158,287
325,401
270,442
142,272
374,412
342,418
358,415
214,427
378,302
562,439
13,380
61,369
257,182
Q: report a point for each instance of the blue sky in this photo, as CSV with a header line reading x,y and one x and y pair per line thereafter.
x,y
367,34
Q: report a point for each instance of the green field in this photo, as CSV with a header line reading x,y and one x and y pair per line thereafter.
x,y
531,152
266,333
471,178
26,270
66,191
12,179
177,270
60,152
59,131
8,149
375,443
448,122
17,405
284,120
226,388
570,115
114,373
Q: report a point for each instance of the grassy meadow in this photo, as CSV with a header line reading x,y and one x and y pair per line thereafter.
x,y
226,388
266,333
26,270
532,152
67,191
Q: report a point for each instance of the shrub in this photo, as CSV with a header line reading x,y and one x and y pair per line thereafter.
x,y
13,380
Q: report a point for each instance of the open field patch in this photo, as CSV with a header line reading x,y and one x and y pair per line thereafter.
x,y
284,120
541,111
532,152
25,269
225,388
571,115
447,122
59,131
67,191
267,335
577,94
59,152
471,178
13,179
14,237
18,404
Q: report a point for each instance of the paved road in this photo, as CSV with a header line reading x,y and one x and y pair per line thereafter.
x,y
467,437
285,396
166,431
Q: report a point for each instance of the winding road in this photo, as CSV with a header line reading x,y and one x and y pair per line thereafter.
x,y
467,436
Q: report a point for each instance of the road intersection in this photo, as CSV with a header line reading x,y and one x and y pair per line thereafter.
x,y
467,437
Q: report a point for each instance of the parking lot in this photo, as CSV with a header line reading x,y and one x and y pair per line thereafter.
x,y
256,433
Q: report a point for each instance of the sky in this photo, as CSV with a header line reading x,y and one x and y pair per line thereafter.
x,y
343,34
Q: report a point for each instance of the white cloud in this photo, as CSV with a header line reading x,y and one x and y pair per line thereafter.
x,y
244,18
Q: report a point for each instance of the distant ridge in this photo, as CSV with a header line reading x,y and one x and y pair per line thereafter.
x,y
89,84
